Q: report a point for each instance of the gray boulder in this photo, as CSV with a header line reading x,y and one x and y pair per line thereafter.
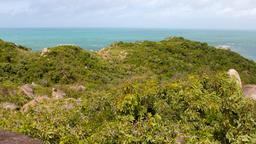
x,y
33,103
15,138
58,94
235,75
79,88
44,52
27,89
9,106
250,91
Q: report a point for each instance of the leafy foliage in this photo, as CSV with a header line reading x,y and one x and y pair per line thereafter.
x,y
143,92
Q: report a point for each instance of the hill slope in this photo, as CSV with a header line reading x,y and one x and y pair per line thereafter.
x,y
153,92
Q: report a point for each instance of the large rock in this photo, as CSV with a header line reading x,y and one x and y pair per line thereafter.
x,y
58,94
9,106
27,89
235,75
45,51
15,138
79,88
33,103
250,91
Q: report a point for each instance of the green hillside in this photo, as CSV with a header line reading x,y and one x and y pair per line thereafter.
x,y
143,92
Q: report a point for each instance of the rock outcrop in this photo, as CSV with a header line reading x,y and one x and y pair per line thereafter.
x,y
235,75
27,89
80,88
33,103
58,94
9,106
44,52
15,138
248,90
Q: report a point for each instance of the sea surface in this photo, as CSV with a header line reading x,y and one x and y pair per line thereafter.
x,y
243,42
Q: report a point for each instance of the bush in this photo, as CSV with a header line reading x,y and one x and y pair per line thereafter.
x,y
143,92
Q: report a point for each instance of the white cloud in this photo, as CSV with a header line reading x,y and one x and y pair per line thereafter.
x,y
13,7
160,13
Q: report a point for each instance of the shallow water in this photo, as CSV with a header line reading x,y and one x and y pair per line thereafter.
x,y
243,42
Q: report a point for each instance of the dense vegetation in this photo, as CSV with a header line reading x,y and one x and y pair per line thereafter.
x,y
142,92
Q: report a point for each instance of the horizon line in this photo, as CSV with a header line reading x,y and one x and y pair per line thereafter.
x,y
163,28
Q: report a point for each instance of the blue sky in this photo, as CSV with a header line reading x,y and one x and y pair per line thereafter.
x,y
195,14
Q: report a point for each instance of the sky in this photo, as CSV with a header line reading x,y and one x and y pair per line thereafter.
x,y
188,14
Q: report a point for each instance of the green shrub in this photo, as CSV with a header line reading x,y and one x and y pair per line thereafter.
x,y
142,92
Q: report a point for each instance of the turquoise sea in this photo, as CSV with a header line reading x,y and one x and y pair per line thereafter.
x,y
243,42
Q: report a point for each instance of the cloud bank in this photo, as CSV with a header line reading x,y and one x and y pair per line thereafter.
x,y
227,14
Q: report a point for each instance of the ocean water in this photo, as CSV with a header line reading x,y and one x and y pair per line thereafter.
x,y
243,42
